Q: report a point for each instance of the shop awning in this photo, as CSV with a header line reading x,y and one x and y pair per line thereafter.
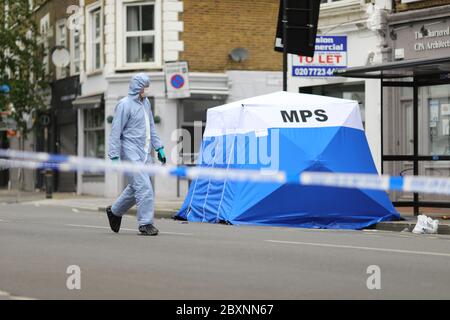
x,y
88,102
417,68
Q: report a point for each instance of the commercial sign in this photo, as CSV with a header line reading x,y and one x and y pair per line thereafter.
x,y
428,39
177,80
330,54
425,39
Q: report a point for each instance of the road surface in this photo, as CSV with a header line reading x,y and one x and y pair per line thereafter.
x,y
204,261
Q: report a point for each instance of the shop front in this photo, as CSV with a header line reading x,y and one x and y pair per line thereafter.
x,y
415,127
63,130
91,140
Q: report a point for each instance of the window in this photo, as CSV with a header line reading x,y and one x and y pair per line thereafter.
x,y
193,123
44,31
94,132
139,34
94,38
75,52
61,41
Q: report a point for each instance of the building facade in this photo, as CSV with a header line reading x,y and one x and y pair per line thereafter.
x,y
351,33
110,40
55,130
418,30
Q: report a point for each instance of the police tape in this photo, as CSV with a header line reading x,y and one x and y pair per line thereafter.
x,y
43,161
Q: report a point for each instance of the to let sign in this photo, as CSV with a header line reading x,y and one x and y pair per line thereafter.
x,y
330,54
177,80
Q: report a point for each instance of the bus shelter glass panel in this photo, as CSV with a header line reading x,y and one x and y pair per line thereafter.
x,y
438,169
434,120
398,125
399,169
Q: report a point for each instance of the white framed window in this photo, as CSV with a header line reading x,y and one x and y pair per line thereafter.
x,y
139,34
61,41
44,28
94,32
75,52
94,132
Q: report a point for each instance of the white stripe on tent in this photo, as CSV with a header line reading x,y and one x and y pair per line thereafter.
x,y
192,198
209,183
225,181
228,164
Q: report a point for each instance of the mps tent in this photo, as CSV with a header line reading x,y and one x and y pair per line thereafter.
x,y
293,133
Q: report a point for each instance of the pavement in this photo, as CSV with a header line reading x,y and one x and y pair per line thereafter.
x,y
164,207
167,207
45,250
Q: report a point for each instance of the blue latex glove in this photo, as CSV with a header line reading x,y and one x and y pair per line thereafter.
x,y
161,155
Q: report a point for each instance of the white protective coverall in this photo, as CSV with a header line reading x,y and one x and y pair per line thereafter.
x,y
133,134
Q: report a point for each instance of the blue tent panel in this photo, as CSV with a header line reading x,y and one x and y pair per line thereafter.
x,y
328,149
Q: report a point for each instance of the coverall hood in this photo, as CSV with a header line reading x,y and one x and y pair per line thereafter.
x,y
137,83
128,139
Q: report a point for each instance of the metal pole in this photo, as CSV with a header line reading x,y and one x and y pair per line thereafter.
x,y
285,53
416,142
382,123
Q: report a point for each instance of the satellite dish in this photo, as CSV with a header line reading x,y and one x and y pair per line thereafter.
x,y
61,57
239,54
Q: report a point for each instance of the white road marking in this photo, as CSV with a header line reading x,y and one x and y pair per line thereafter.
x,y
326,245
125,229
9,296
21,298
75,210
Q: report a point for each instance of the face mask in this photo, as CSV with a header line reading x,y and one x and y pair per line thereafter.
x,y
147,92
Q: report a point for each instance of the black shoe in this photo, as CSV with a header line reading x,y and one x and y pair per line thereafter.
x,y
114,221
148,230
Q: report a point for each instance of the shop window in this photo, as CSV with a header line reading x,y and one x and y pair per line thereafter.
x,y
94,133
193,123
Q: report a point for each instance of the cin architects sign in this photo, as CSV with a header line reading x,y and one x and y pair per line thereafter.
x,y
427,39
330,54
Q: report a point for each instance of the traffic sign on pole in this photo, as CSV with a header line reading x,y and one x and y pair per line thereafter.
x,y
177,80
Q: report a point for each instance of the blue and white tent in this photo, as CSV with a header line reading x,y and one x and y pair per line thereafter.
x,y
293,133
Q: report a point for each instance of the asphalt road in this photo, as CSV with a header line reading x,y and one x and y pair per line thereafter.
x,y
203,261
